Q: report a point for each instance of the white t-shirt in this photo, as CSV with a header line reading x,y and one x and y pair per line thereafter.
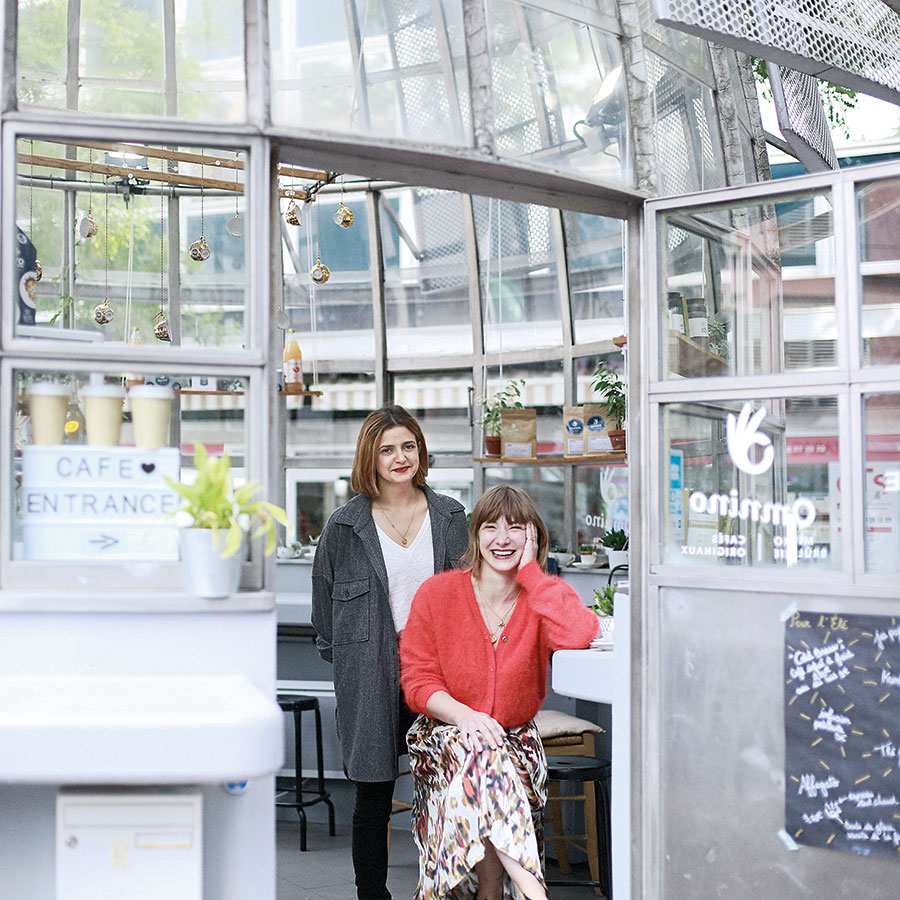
x,y
407,567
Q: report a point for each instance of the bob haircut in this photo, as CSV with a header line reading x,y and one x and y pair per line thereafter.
x,y
363,479
512,504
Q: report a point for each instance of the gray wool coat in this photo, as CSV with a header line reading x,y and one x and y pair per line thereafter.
x,y
355,629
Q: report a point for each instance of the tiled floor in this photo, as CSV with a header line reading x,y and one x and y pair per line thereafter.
x,y
324,871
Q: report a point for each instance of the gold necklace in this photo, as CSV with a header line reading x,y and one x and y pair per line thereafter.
x,y
501,620
402,534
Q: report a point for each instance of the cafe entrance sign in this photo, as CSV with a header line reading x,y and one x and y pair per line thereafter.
x,y
98,503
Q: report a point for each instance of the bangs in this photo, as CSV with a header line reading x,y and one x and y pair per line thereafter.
x,y
508,503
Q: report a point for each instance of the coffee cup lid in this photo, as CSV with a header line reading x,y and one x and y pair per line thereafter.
x,y
48,389
151,391
103,390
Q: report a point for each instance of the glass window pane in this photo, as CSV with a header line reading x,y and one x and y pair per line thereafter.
x,y
601,501
118,285
595,257
440,402
393,73
520,289
879,254
748,289
881,415
686,125
426,276
559,92
544,485
91,450
542,391
341,308
752,484
122,59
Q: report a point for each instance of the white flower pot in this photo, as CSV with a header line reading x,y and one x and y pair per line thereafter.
x,y
617,558
206,573
607,627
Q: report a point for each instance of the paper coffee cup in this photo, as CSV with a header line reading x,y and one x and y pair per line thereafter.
x,y
48,403
103,414
151,406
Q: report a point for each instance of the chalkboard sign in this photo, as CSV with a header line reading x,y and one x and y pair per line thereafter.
x,y
842,732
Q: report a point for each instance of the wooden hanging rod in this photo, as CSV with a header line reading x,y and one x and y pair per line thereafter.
x,y
196,158
56,162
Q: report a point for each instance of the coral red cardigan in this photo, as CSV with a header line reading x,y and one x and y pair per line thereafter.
x,y
446,645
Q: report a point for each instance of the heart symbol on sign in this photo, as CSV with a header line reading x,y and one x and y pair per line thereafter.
x,y
148,467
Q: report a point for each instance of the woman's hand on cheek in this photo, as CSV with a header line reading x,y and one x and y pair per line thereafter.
x,y
529,552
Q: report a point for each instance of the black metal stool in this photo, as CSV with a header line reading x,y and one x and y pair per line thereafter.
x,y
595,773
297,706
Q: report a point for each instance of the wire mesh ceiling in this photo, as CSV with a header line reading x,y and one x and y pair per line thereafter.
x,y
856,45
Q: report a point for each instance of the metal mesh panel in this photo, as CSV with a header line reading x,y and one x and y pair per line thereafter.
x,y
688,148
801,118
860,41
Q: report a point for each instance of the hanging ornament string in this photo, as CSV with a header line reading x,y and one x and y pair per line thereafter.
x,y
161,325
200,249
235,225
38,270
320,273
103,313
343,215
129,280
87,227
500,286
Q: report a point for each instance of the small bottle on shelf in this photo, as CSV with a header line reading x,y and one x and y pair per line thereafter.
x,y
293,365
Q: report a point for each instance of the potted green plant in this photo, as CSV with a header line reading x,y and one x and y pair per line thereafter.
x,y
610,384
506,398
215,517
588,554
616,543
604,606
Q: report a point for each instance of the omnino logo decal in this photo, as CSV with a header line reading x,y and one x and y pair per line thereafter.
x,y
751,452
742,434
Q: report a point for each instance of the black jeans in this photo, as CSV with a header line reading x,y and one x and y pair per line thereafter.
x,y
371,820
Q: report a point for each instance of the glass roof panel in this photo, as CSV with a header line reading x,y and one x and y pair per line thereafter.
x,y
388,68
124,51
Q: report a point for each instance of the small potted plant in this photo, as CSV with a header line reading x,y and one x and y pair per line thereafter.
x,y
604,607
608,382
616,543
215,517
588,554
506,398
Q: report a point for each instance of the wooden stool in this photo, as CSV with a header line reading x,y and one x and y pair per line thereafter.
x,y
297,705
565,735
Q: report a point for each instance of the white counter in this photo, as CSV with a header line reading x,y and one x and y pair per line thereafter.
x,y
604,676
76,729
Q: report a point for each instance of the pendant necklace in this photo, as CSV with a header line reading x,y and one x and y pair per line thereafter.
x,y
402,534
501,620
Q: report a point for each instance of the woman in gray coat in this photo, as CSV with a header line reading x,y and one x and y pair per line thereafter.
x,y
373,554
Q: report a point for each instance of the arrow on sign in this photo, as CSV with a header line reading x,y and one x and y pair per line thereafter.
x,y
105,541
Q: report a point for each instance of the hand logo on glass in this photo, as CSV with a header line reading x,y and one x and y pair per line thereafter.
x,y
741,434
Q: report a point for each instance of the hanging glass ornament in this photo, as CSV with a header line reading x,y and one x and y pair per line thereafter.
x,y
343,216
103,312
235,225
200,249
292,214
161,324
38,270
320,273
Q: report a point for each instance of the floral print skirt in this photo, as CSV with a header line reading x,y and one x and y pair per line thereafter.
x,y
463,798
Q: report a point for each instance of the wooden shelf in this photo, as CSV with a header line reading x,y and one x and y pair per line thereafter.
x,y
689,359
237,393
593,458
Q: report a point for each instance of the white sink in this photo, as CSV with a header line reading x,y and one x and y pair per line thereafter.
x,y
136,730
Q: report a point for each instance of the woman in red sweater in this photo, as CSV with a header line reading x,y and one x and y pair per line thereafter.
x,y
473,662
